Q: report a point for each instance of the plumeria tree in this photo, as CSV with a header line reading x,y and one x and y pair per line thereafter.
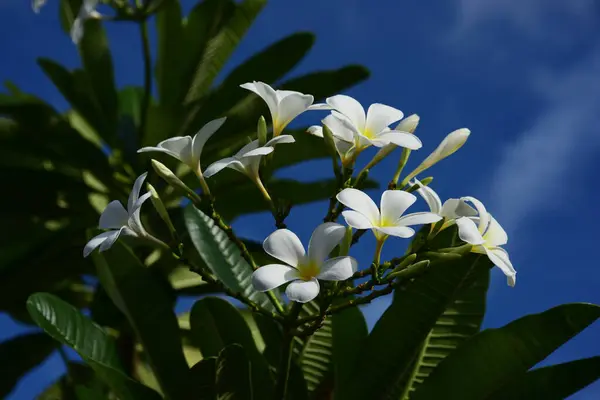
x,y
277,319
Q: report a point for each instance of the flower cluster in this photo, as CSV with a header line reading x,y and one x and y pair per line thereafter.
x,y
350,131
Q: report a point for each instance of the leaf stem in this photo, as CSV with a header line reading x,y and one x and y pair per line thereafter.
x,y
403,159
147,77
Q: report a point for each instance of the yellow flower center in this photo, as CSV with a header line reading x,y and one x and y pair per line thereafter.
x,y
369,133
308,270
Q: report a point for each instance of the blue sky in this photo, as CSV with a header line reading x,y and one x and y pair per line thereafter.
x,y
523,75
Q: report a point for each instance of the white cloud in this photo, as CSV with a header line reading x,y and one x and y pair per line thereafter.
x,y
535,169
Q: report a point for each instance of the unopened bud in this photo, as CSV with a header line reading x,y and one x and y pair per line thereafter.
x,y
405,263
161,209
261,131
451,143
346,242
174,181
462,250
409,124
425,182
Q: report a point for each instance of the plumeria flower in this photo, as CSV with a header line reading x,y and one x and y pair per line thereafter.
x,y
284,105
302,270
453,210
343,137
247,160
370,128
486,235
187,149
451,143
119,221
390,221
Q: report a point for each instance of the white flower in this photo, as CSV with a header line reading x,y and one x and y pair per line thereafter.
x,y
390,221
187,149
302,270
451,143
247,160
343,137
120,221
371,128
453,210
486,235
87,11
284,105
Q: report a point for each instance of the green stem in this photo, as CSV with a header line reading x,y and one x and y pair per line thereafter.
x,y
147,77
377,260
401,164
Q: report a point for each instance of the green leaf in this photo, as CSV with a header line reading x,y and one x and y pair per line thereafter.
x,y
495,357
221,255
217,324
233,372
461,320
220,47
204,376
349,336
555,382
152,317
65,324
396,338
80,375
98,67
169,57
315,353
130,100
20,354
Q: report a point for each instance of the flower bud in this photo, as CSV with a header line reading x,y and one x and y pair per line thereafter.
x,y
160,208
346,242
408,124
261,131
410,272
405,263
449,146
174,181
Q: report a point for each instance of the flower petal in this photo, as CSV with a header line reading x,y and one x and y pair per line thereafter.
x,y
351,108
273,275
340,127
284,245
468,232
495,235
77,30
97,241
179,147
456,208
356,220
114,216
302,291
361,202
135,192
324,238
267,93
315,130
484,217
290,107
319,107
280,140
203,135
430,196
219,165
398,138
380,116
261,151
338,269
419,218
499,257
110,240
134,222
394,203
399,231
